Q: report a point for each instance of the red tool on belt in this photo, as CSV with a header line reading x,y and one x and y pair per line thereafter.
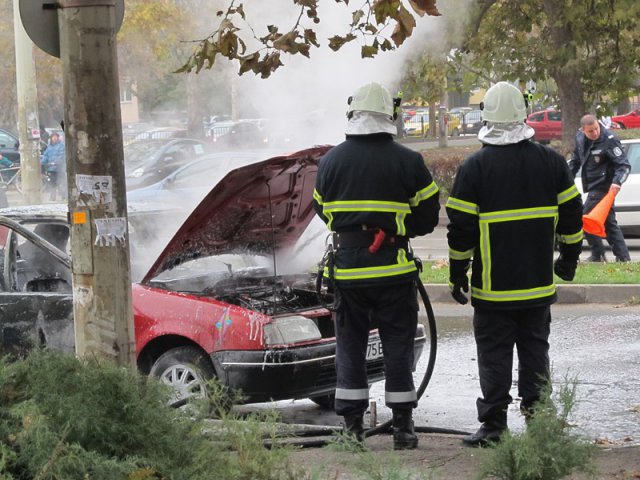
x,y
378,238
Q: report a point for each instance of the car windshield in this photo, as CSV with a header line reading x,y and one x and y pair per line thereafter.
x,y
136,152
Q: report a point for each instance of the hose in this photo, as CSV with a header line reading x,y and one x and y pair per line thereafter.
x,y
386,426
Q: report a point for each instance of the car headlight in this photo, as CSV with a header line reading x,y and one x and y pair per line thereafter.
x,y
291,329
138,172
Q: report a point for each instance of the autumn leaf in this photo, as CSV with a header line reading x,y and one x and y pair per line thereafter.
x,y
336,42
425,6
404,26
368,51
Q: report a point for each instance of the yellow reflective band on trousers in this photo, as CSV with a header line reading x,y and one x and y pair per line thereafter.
x,y
568,194
402,267
456,255
511,295
423,194
400,210
485,221
400,397
352,393
573,238
466,207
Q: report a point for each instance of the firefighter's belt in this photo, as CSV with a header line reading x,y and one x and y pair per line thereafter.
x,y
364,239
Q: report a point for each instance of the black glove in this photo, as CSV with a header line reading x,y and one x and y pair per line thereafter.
x,y
565,269
457,286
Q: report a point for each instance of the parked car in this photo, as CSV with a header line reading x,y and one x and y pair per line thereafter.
x,y
627,203
217,301
472,122
241,135
188,185
628,120
10,145
547,125
161,132
148,161
418,125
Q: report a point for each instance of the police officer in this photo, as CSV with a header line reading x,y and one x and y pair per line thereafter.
x,y
510,201
604,167
375,194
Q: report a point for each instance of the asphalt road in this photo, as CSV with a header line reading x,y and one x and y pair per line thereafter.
x,y
596,346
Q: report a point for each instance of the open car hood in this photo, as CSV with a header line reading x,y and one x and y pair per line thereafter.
x,y
255,209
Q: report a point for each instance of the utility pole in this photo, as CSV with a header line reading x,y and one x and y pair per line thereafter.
x,y
443,121
28,127
95,170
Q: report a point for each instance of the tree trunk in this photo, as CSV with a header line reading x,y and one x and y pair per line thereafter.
x,y
567,77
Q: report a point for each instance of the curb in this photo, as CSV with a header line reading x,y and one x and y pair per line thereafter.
x,y
567,294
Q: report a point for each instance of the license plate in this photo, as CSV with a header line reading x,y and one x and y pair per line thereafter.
x,y
374,349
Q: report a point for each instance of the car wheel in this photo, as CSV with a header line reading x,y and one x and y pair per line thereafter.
x,y
185,369
325,401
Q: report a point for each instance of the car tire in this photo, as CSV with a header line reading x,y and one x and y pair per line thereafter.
x,y
325,401
185,369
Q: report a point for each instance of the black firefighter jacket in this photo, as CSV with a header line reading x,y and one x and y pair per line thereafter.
x,y
371,181
603,161
507,205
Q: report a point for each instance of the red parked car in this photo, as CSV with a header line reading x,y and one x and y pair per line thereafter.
x,y
628,120
217,302
547,125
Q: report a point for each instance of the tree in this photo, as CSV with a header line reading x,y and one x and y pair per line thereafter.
x,y
590,49
369,23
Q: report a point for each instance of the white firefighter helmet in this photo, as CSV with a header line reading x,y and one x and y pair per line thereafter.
x,y
504,103
371,97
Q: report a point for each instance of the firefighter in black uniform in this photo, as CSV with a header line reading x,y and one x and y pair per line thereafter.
x,y
510,201
604,167
375,194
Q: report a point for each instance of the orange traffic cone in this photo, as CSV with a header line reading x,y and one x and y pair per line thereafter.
x,y
593,222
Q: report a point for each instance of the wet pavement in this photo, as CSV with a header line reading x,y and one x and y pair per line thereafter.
x,y
598,345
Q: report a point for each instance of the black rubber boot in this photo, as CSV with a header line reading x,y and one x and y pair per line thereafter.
x,y
489,432
354,427
404,437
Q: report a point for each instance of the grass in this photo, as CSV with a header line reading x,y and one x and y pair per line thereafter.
x,y
587,273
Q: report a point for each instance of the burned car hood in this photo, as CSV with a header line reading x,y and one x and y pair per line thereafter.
x,y
258,208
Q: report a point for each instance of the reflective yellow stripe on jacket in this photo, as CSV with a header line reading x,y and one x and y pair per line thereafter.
x,y
401,267
485,221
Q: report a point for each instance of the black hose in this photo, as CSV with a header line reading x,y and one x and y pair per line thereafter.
x,y
386,426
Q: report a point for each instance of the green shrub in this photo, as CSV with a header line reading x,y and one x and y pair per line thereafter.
x,y
545,450
443,164
67,419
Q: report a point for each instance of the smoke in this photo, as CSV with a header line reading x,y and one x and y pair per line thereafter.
x,y
306,98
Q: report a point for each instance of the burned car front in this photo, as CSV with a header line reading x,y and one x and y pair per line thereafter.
x,y
221,301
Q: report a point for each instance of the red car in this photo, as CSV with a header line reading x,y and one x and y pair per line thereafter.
x,y
219,301
547,125
628,120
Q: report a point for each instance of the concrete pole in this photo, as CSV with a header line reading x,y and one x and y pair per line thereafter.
x,y
95,171
442,118
28,127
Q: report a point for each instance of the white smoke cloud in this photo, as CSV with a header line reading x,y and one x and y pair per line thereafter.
x,y
320,86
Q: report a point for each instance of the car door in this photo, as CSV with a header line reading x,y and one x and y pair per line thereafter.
x,y
554,125
9,146
36,302
628,199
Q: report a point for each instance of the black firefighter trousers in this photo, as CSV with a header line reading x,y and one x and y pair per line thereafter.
x,y
496,332
393,309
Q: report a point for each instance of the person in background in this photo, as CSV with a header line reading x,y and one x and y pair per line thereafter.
x,y
375,195
510,202
605,168
54,166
